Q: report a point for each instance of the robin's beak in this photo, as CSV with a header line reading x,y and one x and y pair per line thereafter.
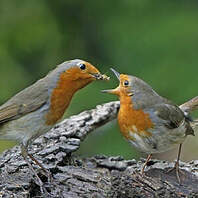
x,y
115,91
117,74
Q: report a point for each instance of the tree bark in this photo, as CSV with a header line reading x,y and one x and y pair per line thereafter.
x,y
95,177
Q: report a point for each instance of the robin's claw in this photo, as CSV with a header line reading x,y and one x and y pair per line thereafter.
x,y
178,171
176,167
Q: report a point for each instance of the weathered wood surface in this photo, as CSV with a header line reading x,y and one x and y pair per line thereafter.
x,y
94,177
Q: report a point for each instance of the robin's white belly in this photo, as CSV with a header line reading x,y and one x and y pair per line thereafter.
x,y
160,141
26,128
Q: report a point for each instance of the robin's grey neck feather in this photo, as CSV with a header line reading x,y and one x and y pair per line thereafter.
x,y
143,94
54,75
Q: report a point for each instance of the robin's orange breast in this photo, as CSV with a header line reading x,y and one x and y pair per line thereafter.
x,y
133,121
62,94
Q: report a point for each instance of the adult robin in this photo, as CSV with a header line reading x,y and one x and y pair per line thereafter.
x,y
36,109
151,123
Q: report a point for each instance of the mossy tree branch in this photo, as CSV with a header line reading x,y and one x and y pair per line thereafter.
x,y
99,176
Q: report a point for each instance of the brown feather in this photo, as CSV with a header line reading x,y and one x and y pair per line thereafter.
x,y
8,112
25,101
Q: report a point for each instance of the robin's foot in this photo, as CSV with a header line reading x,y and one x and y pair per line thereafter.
x,y
51,182
177,171
25,153
46,172
39,181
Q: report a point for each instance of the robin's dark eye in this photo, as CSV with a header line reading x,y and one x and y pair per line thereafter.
x,y
126,83
82,66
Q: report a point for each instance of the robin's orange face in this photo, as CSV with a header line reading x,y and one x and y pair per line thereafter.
x,y
85,71
124,88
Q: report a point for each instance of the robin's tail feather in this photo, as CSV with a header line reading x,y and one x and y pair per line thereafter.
x,y
189,106
194,125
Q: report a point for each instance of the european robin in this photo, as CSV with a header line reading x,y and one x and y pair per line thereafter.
x,y
151,123
36,109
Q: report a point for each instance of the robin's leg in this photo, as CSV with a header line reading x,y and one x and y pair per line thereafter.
x,y
147,160
24,153
49,176
176,167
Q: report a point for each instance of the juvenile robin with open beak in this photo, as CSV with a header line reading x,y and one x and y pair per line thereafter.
x,y
36,109
151,123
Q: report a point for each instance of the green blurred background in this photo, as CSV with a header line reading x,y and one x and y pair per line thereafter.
x,y
154,40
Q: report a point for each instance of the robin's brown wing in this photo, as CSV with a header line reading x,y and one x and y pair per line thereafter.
x,y
24,102
173,116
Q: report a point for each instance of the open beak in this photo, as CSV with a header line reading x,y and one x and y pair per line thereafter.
x,y
115,91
